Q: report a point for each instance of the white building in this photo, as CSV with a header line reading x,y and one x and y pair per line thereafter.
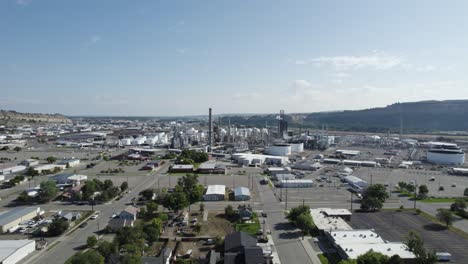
x,y
12,218
279,150
445,153
29,162
258,159
306,165
12,169
355,182
70,162
241,194
297,147
296,183
325,222
49,167
215,193
13,251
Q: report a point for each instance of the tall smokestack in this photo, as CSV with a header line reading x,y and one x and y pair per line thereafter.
x,y
210,131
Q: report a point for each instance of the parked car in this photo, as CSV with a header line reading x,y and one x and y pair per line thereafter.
x,y
83,224
432,178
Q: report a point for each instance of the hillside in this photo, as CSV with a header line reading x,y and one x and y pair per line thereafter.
x,y
13,117
428,116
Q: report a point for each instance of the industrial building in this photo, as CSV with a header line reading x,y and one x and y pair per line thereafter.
x,y
331,161
29,162
459,171
181,168
279,150
247,159
355,183
306,165
347,153
49,167
215,193
212,167
445,153
297,147
12,218
13,251
241,194
326,219
12,169
296,183
285,176
350,244
70,162
272,171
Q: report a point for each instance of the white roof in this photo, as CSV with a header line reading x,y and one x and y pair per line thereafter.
x,y
182,166
216,189
353,179
297,181
358,236
241,191
335,212
78,177
348,152
389,249
324,222
276,169
8,247
460,169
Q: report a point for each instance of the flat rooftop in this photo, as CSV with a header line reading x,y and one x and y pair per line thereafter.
x,y
8,247
324,222
389,249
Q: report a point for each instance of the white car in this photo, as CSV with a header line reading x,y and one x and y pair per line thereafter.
x,y
94,216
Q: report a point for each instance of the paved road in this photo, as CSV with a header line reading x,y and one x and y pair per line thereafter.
x,y
286,236
74,242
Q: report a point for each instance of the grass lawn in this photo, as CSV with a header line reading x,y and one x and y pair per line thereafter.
x,y
329,258
438,200
251,228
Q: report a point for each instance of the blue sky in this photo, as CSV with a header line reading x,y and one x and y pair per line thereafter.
x,y
116,57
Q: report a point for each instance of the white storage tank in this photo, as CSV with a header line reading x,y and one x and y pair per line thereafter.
x,y
279,150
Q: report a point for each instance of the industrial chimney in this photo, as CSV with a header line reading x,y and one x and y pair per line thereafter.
x,y
210,131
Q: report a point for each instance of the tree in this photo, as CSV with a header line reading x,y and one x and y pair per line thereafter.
x,y
202,207
106,248
108,184
374,197
458,206
416,245
164,217
24,197
57,227
147,194
151,208
423,191
189,185
124,186
229,211
17,149
153,230
91,241
88,257
131,259
445,215
395,259
465,193
371,257
305,223
176,201
48,190
295,212
32,172
51,159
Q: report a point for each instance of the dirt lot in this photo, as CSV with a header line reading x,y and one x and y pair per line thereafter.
x,y
215,226
395,226
198,249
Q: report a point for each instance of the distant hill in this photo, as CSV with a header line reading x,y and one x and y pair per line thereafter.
x,y
451,115
13,117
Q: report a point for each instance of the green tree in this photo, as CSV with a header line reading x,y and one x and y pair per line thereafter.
x,y
17,149
153,230
163,216
459,205
371,257
24,197
48,190
147,194
131,259
423,192
374,197
395,259
51,159
189,185
151,208
57,227
124,186
106,248
295,212
88,257
108,184
91,241
465,193
305,223
176,201
32,172
445,215
229,211
416,245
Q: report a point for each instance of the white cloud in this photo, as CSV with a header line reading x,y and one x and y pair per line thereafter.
x,y
23,2
93,40
377,60
301,84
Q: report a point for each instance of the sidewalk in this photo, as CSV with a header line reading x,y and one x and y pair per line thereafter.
x,y
310,250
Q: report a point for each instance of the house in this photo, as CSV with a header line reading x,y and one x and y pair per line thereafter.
x,y
245,212
116,224
215,193
241,194
129,213
163,258
70,216
70,163
241,248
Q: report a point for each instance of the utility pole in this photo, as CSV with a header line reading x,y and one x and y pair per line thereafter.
x,y
286,204
351,200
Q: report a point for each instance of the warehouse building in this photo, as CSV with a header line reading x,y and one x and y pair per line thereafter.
x,y
49,167
11,169
215,193
70,162
181,168
211,167
273,171
306,165
12,218
30,162
296,183
325,222
247,159
445,153
282,177
241,194
13,251
459,171
355,182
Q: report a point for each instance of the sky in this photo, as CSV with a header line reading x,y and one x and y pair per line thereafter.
x,y
168,58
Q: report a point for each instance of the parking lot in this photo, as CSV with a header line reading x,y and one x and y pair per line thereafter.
x,y
393,176
395,226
